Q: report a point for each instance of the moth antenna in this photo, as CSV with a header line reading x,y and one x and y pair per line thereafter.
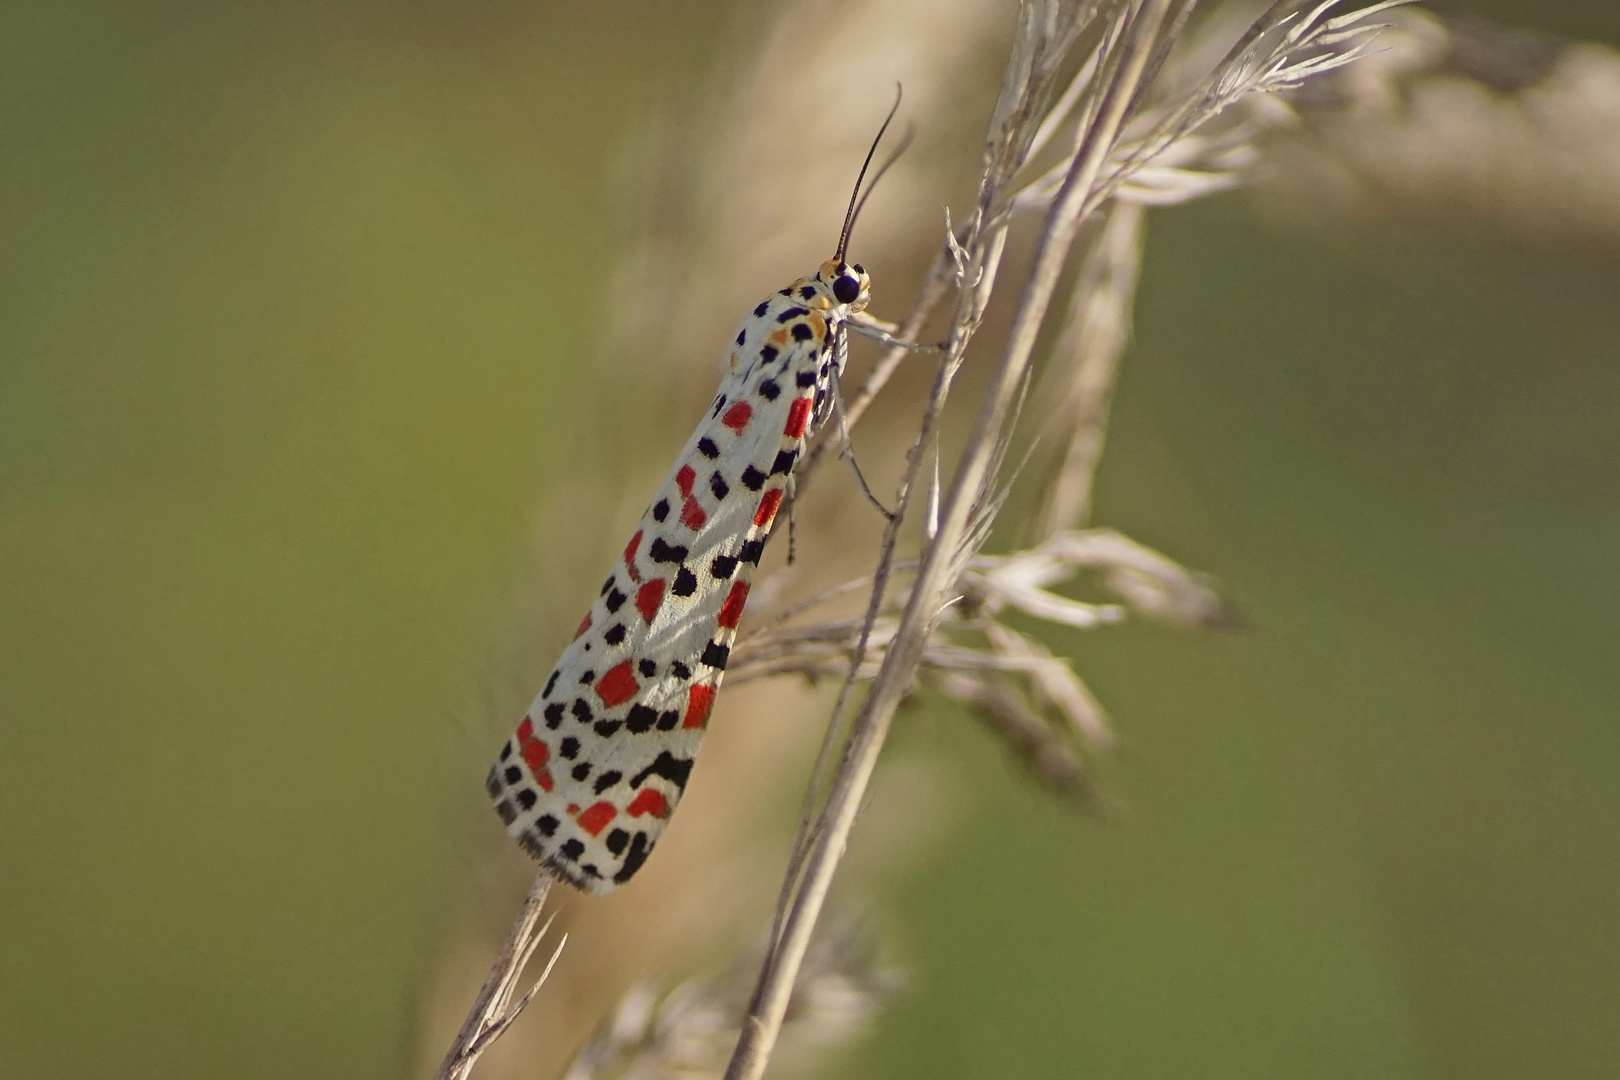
x,y
856,200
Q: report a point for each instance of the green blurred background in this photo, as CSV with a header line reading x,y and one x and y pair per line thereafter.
x,y
296,304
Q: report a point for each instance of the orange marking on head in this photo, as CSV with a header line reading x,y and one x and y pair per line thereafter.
x,y
767,507
648,802
596,817
699,700
819,325
779,337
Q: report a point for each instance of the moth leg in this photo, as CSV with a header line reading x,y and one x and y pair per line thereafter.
x,y
846,449
883,332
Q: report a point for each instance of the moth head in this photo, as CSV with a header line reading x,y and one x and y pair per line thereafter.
x,y
847,284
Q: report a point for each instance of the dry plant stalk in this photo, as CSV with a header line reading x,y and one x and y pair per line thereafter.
x,y
494,1010
1103,109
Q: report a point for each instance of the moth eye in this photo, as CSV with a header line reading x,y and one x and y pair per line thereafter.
x,y
846,289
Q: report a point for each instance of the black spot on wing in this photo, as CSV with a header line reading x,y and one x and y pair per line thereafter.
x,y
641,719
715,655
665,553
667,765
639,846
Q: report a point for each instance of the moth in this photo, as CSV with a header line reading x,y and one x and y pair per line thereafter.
x,y
597,766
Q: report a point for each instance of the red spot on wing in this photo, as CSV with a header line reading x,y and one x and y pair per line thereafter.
x,y
535,753
648,597
618,685
798,418
692,515
737,416
767,506
732,609
584,625
596,817
630,556
648,802
699,700
684,478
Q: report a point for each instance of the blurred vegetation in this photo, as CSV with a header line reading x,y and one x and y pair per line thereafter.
x,y
296,306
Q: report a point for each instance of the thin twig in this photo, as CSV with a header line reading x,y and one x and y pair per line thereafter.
x,y
493,1010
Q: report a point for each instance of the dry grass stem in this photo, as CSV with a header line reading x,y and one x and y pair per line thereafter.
x,y
493,1011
